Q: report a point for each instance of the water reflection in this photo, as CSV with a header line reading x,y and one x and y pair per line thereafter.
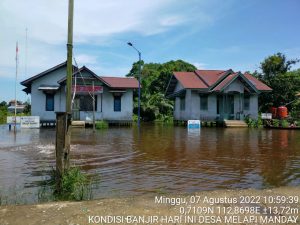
x,y
128,162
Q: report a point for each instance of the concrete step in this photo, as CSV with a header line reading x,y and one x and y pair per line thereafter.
x,y
235,123
78,123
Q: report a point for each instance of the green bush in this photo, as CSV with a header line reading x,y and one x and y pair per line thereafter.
x,y
165,120
275,122
285,123
259,122
101,124
250,122
134,118
254,123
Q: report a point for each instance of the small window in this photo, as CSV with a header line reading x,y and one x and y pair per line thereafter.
x,y
182,103
246,102
49,102
203,102
117,103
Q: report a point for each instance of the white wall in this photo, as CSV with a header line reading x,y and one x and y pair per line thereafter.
x,y
194,111
235,86
38,98
253,109
211,112
38,101
176,112
126,105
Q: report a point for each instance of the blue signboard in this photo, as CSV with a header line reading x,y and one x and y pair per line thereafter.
x,y
194,124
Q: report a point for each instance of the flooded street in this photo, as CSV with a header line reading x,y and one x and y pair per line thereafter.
x,y
125,162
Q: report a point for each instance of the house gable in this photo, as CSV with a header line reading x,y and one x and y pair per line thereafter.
x,y
84,76
60,68
171,86
231,78
187,80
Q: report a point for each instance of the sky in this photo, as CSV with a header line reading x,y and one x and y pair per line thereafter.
x,y
210,34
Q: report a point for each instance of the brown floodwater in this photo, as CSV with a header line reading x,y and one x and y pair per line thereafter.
x,y
126,161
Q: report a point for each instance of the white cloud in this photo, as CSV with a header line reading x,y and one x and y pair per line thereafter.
x,y
96,22
200,65
47,20
83,59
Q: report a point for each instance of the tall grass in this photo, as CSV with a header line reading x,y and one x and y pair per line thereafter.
x,y
75,186
101,124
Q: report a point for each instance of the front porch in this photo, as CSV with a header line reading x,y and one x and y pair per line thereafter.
x,y
232,106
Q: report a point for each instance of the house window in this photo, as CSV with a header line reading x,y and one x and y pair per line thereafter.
x,y
117,103
203,102
246,102
86,103
49,102
182,103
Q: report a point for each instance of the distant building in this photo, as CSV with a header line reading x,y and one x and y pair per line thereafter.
x,y
113,95
12,105
215,95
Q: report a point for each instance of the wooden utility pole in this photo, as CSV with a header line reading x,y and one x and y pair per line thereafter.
x,y
69,56
63,119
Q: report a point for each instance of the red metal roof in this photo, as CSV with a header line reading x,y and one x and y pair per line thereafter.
x,y
257,83
214,80
120,82
210,77
189,80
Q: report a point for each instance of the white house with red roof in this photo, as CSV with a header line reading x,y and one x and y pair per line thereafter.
x,y
113,95
215,95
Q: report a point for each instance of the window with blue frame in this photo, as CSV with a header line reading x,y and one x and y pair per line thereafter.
x,y
203,102
246,102
49,102
117,103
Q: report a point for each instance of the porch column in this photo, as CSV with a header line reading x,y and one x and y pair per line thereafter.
x,y
188,104
223,108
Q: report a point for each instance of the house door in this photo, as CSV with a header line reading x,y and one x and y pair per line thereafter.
x,y
75,111
230,107
225,106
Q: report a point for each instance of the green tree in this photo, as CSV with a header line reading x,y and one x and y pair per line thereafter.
x,y
3,104
285,83
276,64
154,80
